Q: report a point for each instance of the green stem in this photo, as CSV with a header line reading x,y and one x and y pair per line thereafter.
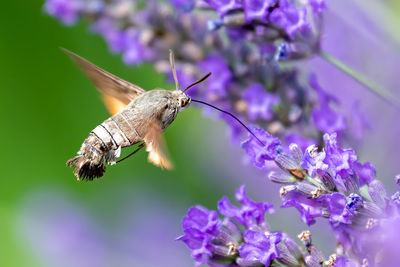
x,y
278,263
365,81
313,181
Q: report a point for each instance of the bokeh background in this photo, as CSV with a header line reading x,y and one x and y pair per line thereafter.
x,y
132,215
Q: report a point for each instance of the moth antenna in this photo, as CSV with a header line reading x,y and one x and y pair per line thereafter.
x,y
134,152
230,114
198,81
172,62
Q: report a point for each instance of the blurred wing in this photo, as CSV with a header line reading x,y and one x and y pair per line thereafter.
x,y
155,145
108,84
113,104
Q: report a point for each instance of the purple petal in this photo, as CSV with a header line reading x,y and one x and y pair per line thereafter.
x,y
258,152
224,6
257,10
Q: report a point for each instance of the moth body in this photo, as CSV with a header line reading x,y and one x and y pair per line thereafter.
x,y
152,110
138,116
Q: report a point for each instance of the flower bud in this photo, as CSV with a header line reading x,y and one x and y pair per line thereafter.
x,y
286,162
296,152
378,193
281,177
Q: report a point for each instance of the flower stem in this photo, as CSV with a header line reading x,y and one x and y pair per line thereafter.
x,y
278,263
313,181
365,81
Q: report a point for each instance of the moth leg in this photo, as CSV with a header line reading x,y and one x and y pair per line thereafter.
x,y
134,152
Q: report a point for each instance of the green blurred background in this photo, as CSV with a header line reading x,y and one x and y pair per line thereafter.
x,y
48,107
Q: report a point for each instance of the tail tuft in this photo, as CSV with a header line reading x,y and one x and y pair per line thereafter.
x,y
86,169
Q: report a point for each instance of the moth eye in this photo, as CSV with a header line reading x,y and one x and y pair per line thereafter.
x,y
183,102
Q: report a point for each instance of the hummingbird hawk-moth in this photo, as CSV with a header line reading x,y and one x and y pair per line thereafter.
x,y
137,117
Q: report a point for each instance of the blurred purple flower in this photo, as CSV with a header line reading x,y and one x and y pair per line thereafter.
x,y
257,10
343,262
184,80
145,31
317,5
289,17
184,5
217,87
55,228
325,118
359,120
302,142
366,172
224,6
115,38
134,52
66,10
259,102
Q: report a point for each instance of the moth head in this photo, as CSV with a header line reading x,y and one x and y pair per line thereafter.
x,y
182,99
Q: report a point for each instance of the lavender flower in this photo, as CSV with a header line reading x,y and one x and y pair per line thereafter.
x,y
259,102
309,209
275,19
249,214
260,152
289,18
343,262
326,181
67,11
184,5
216,88
224,6
244,238
213,241
248,79
259,248
333,184
313,160
325,118
200,227
257,10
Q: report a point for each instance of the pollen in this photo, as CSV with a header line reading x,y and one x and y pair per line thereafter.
x,y
331,261
286,189
232,248
305,236
316,193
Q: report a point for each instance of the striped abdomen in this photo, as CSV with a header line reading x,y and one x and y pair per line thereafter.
x,y
103,145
